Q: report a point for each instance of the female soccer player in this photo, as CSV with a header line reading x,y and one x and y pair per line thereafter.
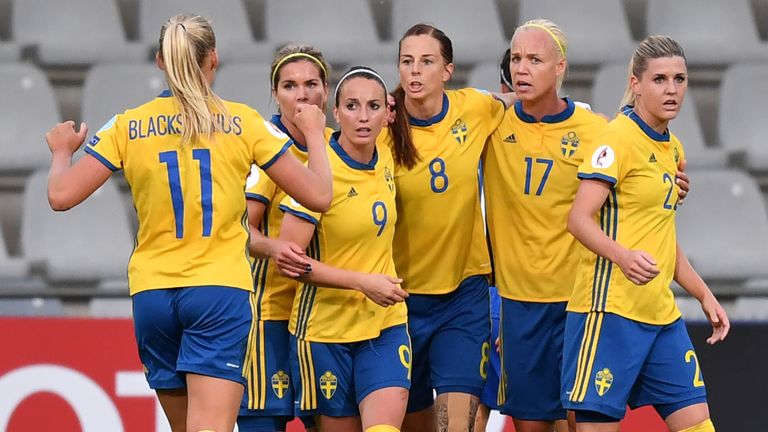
x,y
186,155
350,351
625,342
299,76
530,182
440,248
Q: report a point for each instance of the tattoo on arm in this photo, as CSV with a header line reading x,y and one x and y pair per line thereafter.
x,y
442,418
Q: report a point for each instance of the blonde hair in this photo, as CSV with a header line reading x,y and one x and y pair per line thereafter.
x,y
557,36
185,41
652,47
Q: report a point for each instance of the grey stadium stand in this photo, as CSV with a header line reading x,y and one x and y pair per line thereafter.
x,y
73,32
723,226
485,76
712,32
387,71
344,30
111,307
473,26
29,109
31,307
742,121
247,83
607,91
11,268
88,243
234,40
593,38
9,52
110,89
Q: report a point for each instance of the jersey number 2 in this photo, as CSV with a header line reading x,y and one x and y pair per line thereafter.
x,y
171,160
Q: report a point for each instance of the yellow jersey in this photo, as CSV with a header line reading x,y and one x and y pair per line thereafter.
x,y
354,234
440,238
530,183
639,213
190,201
274,292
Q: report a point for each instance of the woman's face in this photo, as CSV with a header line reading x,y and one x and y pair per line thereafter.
x,y
423,71
299,82
660,90
535,64
362,110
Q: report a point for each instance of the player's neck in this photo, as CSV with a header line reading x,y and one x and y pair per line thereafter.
x,y
547,105
362,153
657,124
425,108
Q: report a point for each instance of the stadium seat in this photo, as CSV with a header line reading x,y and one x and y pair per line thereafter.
x,y
473,26
28,111
234,39
22,307
741,117
750,309
593,37
111,307
73,32
11,267
712,32
88,243
690,308
110,89
608,89
247,83
485,76
9,52
388,71
723,226
344,30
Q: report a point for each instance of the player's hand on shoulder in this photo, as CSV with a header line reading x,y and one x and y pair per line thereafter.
x,y
638,266
309,118
64,138
683,182
717,317
291,260
384,290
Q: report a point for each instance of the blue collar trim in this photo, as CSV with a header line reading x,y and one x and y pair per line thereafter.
x,y
277,121
348,159
430,121
629,111
554,118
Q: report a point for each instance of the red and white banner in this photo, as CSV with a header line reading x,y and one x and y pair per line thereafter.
x,y
84,375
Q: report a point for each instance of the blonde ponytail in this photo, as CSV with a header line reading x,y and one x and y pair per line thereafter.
x,y
185,41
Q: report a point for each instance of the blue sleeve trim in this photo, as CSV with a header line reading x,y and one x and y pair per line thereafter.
x,y
101,159
597,176
256,197
274,159
298,214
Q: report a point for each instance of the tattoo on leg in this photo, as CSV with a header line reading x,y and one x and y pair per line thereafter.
x,y
442,418
473,404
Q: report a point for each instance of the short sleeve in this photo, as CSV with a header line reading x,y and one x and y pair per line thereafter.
x,y
108,144
267,142
290,205
259,187
494,109
604,160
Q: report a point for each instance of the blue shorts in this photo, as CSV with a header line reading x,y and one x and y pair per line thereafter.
x,y
336,377
617,361
450,335
200,330
532,355
268,399
490,395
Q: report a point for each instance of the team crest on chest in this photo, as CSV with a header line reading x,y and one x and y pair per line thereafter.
x,y
389,178
328,384
460,131
280,383
569,144
603,381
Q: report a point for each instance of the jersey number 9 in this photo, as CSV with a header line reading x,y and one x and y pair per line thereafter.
x,y
380,222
